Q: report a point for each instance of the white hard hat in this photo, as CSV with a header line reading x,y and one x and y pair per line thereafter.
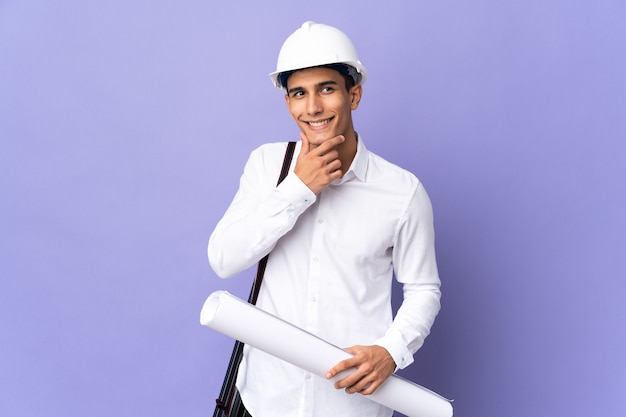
x,y
313,45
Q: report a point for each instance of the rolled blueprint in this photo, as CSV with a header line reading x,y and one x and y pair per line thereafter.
x,y
243,321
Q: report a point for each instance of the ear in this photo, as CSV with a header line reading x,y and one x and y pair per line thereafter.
x,y
355,96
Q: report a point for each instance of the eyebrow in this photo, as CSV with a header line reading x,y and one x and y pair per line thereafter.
x,y
318,85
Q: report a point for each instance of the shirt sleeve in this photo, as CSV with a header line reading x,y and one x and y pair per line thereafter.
x,y
259,214
416,268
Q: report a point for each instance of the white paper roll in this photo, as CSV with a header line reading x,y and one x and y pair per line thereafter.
x,y
242,321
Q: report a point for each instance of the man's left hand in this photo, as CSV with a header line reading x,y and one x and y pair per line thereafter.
x,y
373,366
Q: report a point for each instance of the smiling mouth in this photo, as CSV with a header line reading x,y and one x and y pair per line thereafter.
x,y
319,123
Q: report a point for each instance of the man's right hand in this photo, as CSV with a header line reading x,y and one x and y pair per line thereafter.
x,y
319,166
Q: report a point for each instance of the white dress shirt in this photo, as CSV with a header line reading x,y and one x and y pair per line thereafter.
x,y
332,260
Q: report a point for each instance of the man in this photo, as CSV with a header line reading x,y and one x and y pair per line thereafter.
x,y
338,227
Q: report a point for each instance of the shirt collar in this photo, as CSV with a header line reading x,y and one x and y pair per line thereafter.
x,y
358,168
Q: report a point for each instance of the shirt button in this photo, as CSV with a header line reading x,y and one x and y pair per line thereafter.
x,y
313,299
320,221
316,259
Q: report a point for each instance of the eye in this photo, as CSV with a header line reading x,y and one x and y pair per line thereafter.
x,y
328,89
297,94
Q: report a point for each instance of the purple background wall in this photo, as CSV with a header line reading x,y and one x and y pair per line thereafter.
x,y
124,128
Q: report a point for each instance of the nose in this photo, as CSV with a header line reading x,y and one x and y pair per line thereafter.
x,y
313,105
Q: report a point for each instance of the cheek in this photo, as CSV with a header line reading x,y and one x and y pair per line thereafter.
x,y
296,108
292,107
293,111
347,108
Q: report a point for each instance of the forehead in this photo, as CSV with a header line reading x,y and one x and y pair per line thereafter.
x,y
314,76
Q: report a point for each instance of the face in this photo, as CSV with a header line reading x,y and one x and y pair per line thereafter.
x,y
320,104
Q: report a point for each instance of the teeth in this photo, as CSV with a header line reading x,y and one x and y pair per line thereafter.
x,y
318,124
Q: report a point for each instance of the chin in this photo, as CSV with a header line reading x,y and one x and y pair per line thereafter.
x,y
321,136
318,140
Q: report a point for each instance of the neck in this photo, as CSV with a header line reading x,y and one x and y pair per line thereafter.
x,y
347,150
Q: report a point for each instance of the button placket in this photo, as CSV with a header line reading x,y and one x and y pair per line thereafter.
x,y
315,270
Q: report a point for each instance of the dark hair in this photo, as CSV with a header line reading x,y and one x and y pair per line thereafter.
x,y
348,72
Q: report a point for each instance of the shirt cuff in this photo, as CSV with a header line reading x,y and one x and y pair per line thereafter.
x,y
397,348
296,192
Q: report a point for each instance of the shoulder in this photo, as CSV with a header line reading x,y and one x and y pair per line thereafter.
x,y
400,188
381,170
270,149
268,154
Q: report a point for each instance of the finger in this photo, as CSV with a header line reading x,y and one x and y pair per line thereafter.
x,y
361,387
358,382
331,143
354,350
342,366
330,157
333,169
353,383
369,388
365,384
306,146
